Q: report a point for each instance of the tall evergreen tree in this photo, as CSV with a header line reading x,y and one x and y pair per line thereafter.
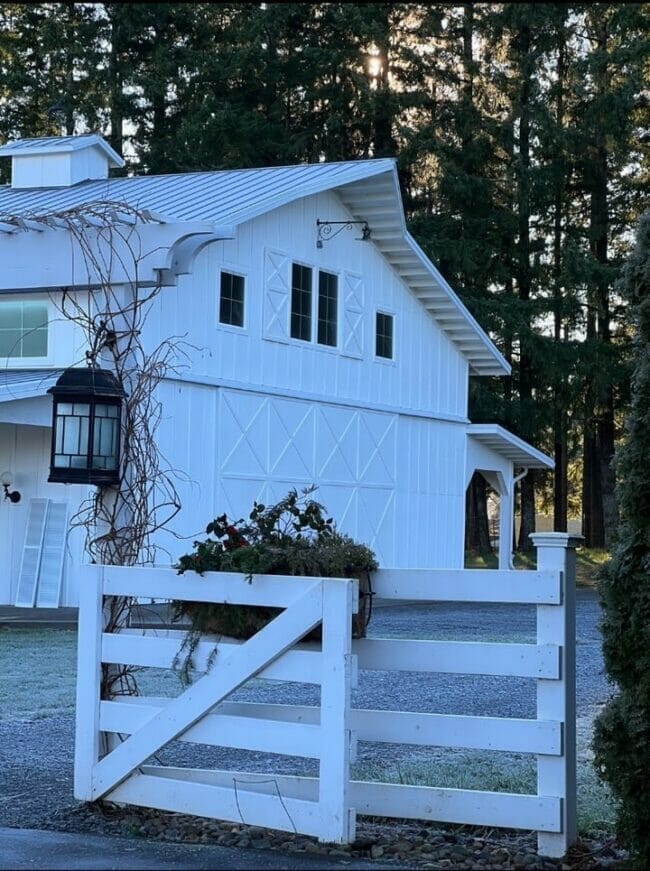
x,y
607,125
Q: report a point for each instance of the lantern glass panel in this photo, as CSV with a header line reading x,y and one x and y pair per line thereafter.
x,y
105,437
71,435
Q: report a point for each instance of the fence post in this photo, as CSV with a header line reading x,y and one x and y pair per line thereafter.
x,y
556,699
338,820
90,625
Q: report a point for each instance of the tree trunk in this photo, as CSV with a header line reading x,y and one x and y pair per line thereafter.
x,y
115,78
524,277
560,484
527,511
603,505
384,143
477,530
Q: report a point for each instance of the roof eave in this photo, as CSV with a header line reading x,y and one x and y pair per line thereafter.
x,y
514,448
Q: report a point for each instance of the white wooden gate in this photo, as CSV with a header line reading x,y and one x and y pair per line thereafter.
x,y
326,806
121,775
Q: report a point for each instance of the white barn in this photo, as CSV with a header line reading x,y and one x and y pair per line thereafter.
x,y
318,356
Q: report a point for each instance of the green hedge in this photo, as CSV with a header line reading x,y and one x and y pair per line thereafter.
x,y
622,731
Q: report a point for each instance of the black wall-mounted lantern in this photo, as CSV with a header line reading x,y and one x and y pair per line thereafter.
x,y
6,479
86,420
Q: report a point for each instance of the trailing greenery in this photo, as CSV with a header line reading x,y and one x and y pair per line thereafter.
x,y
292,537
622,730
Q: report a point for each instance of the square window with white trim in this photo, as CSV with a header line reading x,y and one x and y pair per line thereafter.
x,y
231,299
384,332
23,328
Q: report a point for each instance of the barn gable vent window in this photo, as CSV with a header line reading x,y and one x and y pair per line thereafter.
x,y
231,299
384,336
23,329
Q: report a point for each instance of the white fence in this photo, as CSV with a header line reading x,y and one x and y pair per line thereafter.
x,y
326,806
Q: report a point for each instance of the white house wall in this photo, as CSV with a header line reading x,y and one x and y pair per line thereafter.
x,y
394,482
25,450
480,457
428,374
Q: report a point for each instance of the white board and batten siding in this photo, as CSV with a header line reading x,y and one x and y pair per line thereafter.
x,y
428,374
35,557
392,481
326,806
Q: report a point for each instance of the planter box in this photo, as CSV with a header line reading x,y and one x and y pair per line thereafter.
x,y
243,621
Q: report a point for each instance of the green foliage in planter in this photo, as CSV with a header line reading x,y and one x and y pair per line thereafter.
x,y
622,730
292,537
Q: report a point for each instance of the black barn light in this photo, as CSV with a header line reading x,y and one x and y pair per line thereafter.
x,y
86,419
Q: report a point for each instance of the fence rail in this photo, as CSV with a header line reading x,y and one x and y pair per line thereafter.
x,y
106,766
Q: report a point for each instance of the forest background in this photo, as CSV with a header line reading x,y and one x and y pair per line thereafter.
x,y
522,137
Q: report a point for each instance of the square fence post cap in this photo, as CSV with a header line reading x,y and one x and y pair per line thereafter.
x,y
556,539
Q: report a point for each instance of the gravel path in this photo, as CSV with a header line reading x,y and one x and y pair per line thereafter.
x,y
36,757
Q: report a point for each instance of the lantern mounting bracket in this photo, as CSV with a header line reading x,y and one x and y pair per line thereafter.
x,y
324,230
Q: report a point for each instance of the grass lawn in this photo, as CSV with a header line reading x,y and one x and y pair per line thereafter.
x,y
38,669
589,561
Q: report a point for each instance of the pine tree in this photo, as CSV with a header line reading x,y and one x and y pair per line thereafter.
x,y
48,53
608,118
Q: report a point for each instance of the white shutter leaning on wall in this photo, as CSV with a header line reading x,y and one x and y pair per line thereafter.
x,y
276,296
41,568
50,575
352,341
31,561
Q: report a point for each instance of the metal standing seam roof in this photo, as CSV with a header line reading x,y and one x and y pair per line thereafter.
x,y
368,188
498,439
26,383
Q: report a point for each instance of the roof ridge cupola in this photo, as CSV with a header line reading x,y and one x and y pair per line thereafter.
x,y
59,161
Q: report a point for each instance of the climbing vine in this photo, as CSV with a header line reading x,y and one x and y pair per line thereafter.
x,y
111,309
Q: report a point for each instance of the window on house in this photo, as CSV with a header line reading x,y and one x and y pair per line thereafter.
x,y
327,308
231,301
23,329
384,336
301,302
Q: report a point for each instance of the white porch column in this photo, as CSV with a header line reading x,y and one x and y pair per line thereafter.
x,y
506,524
556,699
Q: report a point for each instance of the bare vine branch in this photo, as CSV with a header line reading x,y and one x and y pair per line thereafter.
x,y
120,522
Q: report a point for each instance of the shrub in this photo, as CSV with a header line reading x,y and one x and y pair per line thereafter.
x,y
622,730
292,537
